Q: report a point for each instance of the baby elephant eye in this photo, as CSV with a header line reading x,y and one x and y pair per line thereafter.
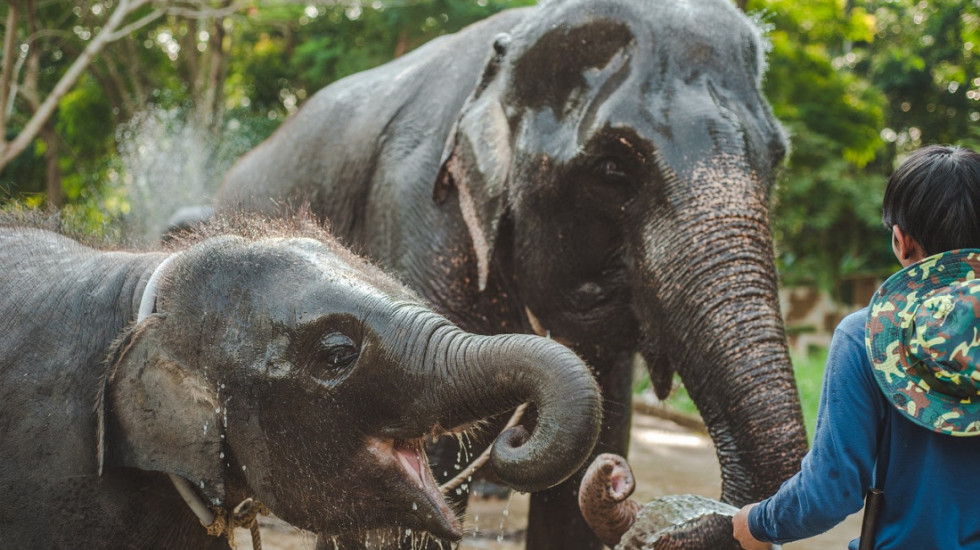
x,y
611,167
337,351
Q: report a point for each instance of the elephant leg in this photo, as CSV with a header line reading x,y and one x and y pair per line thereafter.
x,y
555,521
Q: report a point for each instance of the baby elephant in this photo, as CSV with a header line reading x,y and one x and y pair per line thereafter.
x,y
674,522
258,362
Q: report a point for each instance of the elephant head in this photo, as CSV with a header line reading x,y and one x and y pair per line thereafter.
x,y
620,156
286,369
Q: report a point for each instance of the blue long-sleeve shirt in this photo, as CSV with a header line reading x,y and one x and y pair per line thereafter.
x,y
932,482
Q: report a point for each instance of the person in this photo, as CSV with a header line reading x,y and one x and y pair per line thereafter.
x,y
901,388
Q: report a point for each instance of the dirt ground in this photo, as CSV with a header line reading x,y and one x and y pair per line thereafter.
x,y
666,459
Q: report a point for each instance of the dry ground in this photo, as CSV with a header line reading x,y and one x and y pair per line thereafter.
x,y
666,459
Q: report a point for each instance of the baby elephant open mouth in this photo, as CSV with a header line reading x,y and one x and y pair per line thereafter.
x,y
429,510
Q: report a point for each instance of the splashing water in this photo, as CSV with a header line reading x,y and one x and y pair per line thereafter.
x,y
169,162
503,517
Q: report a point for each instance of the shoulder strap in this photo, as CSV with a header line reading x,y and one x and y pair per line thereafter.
x,y
876,495
881,462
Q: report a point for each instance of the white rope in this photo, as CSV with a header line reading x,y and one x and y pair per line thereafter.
x,y
147,306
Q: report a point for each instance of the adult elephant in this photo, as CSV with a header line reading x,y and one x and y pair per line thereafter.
x,y
596,170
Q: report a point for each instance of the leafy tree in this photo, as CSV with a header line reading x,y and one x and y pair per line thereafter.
x,y
113,106
925,58
826,215
72,71
284,53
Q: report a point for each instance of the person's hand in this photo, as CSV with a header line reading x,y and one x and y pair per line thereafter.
x,y
740,530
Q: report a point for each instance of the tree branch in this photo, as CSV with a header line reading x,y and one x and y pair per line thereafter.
x,y
8,64
138,24
9,150
204,13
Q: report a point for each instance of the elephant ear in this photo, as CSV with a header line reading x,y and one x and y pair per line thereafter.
x,y
476,160
158,415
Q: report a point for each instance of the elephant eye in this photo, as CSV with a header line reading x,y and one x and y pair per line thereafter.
x,y
611,167
337,351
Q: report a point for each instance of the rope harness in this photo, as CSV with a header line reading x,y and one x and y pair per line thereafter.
x,y
215,519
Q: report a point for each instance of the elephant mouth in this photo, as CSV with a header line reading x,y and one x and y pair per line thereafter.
x,y
413,459
425,507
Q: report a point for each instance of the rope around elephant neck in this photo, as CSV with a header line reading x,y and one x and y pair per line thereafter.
x,y
216,520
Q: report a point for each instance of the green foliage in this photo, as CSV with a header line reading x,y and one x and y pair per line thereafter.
x,y
285,52
925,58
826,210
82,116
809,371
858,83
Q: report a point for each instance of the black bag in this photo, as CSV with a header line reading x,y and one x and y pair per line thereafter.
x,y
875,498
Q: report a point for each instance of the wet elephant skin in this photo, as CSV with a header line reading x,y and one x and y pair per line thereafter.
x,y
272,364
599,171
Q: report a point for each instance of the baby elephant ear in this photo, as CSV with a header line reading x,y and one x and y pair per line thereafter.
x,y
157,415
476,160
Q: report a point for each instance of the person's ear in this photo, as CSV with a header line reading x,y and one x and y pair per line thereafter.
x,y
906,248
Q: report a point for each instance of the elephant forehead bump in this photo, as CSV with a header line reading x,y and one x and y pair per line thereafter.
x,y
545,75
336,270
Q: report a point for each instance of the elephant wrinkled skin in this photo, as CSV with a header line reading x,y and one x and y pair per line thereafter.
x,y
274,365
599,170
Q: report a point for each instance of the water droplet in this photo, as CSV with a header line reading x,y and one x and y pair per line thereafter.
x,y
415,506
243,467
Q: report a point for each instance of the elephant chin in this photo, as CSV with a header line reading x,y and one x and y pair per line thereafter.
x,y
425,508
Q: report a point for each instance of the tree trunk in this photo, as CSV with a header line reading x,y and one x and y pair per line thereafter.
x,y
6,73
56,195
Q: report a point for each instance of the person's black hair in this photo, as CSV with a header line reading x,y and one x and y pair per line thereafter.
x,y
934,197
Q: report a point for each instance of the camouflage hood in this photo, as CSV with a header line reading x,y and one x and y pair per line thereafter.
x,y
923,339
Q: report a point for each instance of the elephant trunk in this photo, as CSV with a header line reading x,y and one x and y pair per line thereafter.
x,y
714,317
481,376
603,498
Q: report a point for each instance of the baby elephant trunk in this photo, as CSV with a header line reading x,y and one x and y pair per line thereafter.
x,y
489,375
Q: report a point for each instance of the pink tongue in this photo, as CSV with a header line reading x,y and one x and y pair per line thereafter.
x,y
410,458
